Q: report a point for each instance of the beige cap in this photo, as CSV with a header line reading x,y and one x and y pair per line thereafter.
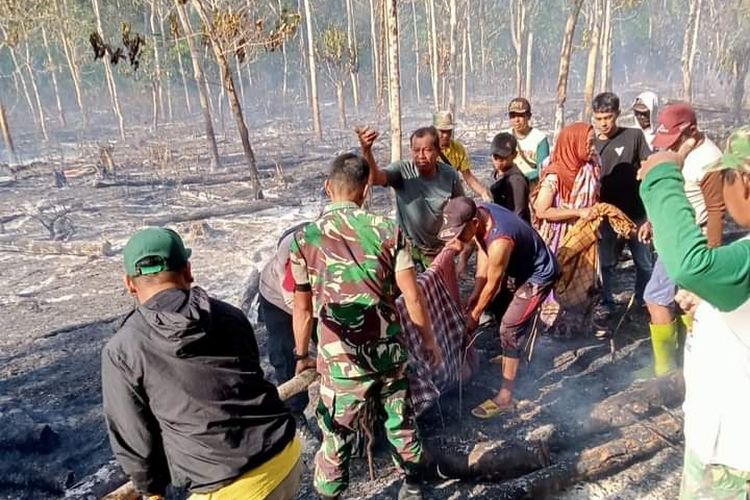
x,y
443,120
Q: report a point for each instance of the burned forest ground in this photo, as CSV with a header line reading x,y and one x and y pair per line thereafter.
x,y
58,309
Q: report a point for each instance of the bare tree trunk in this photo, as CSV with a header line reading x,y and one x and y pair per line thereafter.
x,y
394,94
184,83
285,58
69,52
375,53
689,48
453,56
434,55
200,82
740,69
108,74
351,37
303,64
518,36
157,60
239,79
482,40
7,138
565,52
53,71
588,92
24,86
35,89
529,63
416,52
341,101
168,83
384,68
318,129
606,51
463,67
469,42
234,101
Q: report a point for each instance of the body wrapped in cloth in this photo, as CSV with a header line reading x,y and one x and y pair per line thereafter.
x,y
439,286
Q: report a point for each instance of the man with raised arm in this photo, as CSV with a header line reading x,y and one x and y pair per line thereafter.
x,y
423,186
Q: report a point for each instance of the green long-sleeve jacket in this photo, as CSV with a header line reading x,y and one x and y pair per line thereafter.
x,y
720,275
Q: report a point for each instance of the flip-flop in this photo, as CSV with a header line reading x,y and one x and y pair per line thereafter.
x,y
489,409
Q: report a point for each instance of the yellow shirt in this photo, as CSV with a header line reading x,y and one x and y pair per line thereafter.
x,y
259,482
457,155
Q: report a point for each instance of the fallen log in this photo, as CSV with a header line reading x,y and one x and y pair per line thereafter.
x,y
635,442
207,213
206,180
83,248
107,482
489,461
640,400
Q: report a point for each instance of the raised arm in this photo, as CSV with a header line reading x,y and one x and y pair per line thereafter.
x,y
367,138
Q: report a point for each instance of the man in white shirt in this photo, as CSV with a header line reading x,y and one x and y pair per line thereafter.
x,y
646,109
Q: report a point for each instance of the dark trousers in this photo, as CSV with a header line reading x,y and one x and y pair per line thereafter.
x,y
281,348
610,248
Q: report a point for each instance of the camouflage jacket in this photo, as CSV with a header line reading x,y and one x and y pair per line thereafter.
x,y
349,258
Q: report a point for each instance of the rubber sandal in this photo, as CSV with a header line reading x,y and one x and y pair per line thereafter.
x,y
489,410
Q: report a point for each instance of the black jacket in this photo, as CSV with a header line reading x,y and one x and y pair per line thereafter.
x,y
184,396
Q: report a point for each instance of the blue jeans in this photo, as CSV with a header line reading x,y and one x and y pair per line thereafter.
x,y
281,348
610,248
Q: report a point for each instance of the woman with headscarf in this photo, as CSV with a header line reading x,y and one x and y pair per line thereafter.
x,y
567,192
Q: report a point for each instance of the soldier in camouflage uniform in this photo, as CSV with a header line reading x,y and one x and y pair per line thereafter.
x,y
347,266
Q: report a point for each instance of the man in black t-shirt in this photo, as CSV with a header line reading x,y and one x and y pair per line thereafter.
x,y
511,190
621,151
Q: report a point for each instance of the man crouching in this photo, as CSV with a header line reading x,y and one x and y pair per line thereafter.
x,y
184,395
347,266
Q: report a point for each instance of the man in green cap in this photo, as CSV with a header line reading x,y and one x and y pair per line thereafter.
x,y
716,283
183,391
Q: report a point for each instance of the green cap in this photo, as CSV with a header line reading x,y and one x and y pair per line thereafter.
x,y
736,154
160,242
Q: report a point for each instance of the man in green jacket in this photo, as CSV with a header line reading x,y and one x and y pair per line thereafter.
x,y
717,350
720,275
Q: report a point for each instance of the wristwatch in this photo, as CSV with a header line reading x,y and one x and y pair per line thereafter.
x,y
300,357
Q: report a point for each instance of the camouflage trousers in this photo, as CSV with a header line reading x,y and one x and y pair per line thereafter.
x,y
712,481
342,403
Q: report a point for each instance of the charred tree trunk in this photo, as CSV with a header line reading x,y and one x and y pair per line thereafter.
x,y
200,82
394,84
53,73
588,92
233,99
317,128
565,53
689,48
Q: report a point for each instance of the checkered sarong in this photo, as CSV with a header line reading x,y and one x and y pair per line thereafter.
x,y
439,288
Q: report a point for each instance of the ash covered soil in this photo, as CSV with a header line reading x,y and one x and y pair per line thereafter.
x,y
58,311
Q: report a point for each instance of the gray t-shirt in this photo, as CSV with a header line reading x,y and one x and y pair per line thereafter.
x,y
420,200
